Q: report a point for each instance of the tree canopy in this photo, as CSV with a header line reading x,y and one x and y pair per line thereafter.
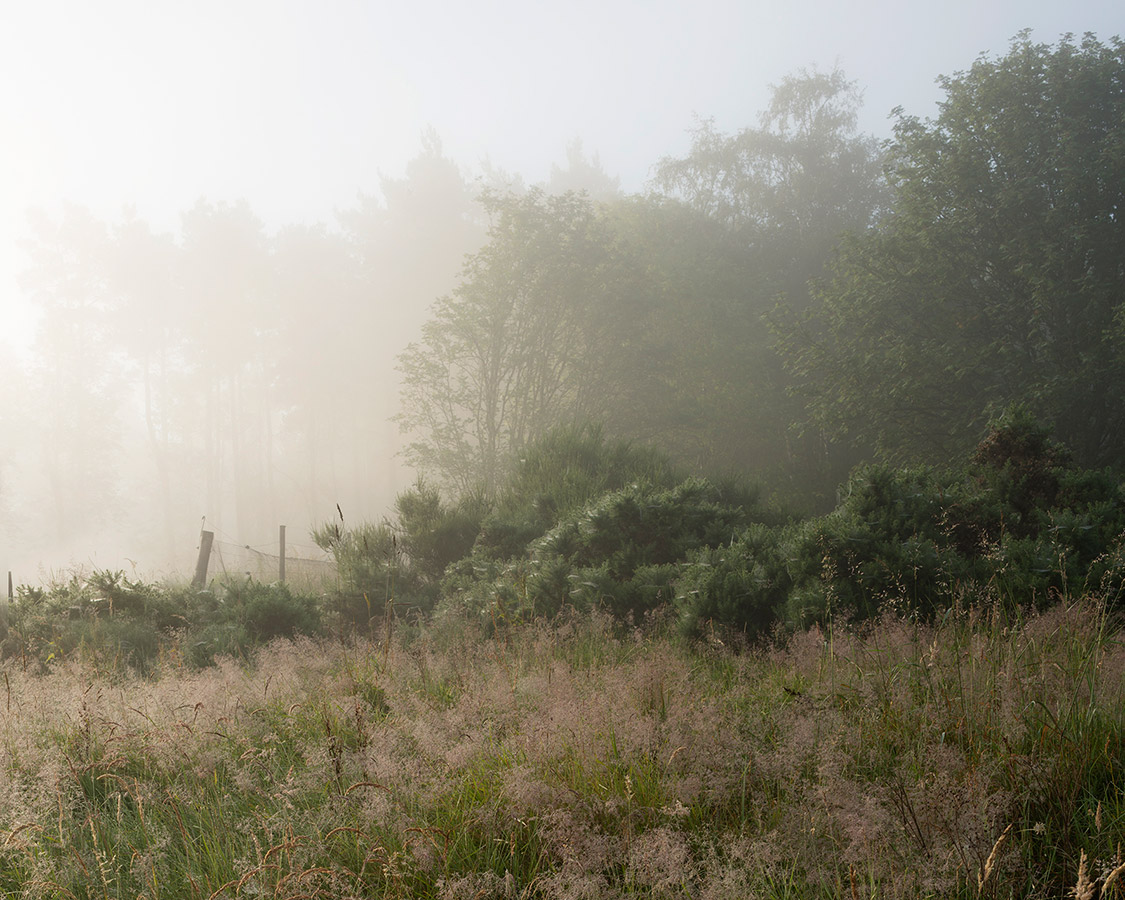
x,y
998,272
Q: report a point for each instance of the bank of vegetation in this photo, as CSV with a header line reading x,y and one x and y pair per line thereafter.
x,y
618,682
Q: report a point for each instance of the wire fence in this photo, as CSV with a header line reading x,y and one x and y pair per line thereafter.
x,y
304,573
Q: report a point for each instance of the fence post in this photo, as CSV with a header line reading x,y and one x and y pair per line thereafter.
x,y
281,554
205,539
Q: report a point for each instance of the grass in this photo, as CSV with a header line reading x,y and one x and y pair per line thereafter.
x,y
980,756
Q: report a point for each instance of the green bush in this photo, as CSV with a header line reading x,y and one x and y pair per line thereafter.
x,y
268,611
619,552
203,646
117,622
741,585
403,561
562,472
1017,524
433,533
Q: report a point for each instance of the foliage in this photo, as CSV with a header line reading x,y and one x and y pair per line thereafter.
x,y
373,571
784,194
515,348
804,171
618,551
1018,522
120,622
398,565
646,313
434,533
269,611
995,277
740,585
562,471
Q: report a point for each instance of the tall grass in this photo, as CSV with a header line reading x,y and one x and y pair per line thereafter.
x,y
978,756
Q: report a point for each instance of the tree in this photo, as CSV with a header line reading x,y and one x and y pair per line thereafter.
x,y
75,400
782,195
516,347
227,276
141,274
409,243
790,187
998,274
583,175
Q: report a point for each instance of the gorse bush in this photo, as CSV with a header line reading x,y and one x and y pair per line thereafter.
x,y
569,467
583,522
618,552
121,622
368,558
399,564
433,533
1018,524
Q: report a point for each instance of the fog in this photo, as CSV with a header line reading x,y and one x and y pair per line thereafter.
x,y
223,223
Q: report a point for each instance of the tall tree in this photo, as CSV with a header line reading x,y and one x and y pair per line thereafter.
x,y
147,323
409,241
76,381
583,175
323,356
999,273
227,276
783,194
515,348
790,187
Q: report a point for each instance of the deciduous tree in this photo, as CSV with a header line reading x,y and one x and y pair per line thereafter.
x,y
517,347
999,273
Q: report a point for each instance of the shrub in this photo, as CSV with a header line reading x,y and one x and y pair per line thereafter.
x,y
268,611
1016,523
120,623
741,585
562,472
619,551
433,533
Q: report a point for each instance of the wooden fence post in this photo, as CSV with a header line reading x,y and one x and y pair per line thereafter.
x,y
281,554
205,539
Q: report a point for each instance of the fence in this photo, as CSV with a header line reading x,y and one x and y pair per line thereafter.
x,y
313,571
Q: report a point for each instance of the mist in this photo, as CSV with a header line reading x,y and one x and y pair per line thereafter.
x,y
214,256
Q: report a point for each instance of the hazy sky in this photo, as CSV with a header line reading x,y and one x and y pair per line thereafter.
x,y
298,105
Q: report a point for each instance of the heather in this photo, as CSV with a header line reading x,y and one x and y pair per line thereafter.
x,y
978,755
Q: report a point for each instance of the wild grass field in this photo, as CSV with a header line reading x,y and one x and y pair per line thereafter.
x,y
978,756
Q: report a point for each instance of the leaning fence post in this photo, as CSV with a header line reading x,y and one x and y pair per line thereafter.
x,y
205,539
281,553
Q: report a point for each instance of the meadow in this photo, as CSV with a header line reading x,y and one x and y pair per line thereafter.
x,y
978,755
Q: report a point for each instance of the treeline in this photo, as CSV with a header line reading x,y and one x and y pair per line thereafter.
x,y
799,299
586,524
785,302
225,370
796,298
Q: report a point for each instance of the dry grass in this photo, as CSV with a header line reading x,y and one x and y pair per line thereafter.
x,y
977,757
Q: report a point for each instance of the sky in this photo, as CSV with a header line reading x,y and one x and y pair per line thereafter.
x,y
298,106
